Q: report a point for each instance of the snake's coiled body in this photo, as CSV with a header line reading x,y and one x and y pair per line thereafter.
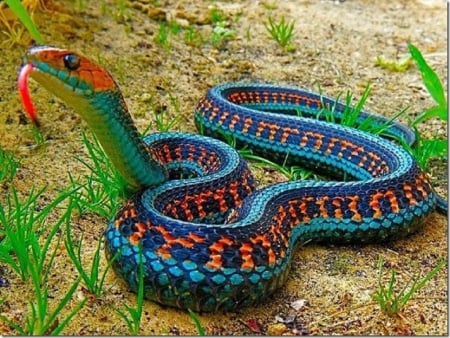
x,y
207,239
209,267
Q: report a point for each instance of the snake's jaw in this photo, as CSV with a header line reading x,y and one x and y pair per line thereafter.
x,y
49,82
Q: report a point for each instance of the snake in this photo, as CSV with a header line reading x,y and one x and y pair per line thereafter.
x,y
196,228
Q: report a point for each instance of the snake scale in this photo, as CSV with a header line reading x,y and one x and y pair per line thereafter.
x,y
208,240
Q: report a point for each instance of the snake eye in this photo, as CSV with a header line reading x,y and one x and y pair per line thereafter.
x,y
71,61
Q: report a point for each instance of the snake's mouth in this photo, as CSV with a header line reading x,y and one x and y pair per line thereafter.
x,y
28,69
52,82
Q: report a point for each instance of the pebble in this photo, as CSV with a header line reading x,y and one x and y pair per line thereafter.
x,y
276,329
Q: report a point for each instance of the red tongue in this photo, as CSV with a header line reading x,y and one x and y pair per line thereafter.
x,y
25,93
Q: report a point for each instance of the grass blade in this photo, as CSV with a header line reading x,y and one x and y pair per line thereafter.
x,y
430,80
20,11
198,324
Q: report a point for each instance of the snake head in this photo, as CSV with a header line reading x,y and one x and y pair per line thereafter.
x,y
91,91
68,75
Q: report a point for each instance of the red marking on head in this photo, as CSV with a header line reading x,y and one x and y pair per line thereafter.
x,y
88,71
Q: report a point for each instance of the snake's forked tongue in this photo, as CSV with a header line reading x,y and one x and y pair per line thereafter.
x,y
25,93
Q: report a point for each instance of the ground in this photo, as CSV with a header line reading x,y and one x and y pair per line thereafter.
x,y
334,48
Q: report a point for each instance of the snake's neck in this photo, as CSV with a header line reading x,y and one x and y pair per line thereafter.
x,y
109,119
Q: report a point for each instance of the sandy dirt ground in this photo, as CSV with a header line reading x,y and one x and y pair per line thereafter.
x,y
335,45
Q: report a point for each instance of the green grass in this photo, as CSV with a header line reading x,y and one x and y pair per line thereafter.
x,y
391,299
39,139
92,276
165,31
118,9
282,32
198,324
28,248
351,113
43,318
100,190
220,34
192,37
8,166
164,121
395,66
133,315
434,86
216,15
350,116
426,150
23,224
162,35
121,13
436,147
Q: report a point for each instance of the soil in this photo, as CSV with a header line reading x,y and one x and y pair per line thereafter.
x,y
334,48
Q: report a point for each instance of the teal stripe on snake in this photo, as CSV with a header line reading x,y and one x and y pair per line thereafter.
x,y
212,241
